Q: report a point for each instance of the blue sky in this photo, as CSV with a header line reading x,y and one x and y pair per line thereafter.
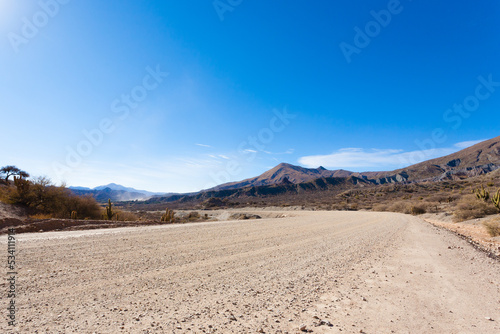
x,y
182,95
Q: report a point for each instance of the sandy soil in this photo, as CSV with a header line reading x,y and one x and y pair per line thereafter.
x,y
473,230
326,272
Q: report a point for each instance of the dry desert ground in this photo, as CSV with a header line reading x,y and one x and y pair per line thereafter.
x,y
308,271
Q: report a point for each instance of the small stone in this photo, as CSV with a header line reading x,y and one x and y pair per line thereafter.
x,y
326,323
489,318
303,328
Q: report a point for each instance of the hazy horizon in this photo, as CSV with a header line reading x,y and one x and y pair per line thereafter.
x,y
173,97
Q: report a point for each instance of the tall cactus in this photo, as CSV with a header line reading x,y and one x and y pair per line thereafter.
x,y
109,210
168,216
496,200
482,193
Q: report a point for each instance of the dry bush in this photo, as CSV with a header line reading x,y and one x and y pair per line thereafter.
x,y
417,209
6,193
380,207
444,198
413,208
493,227
41,216
400,206
41,197
86,207
126,216
469,207
432,207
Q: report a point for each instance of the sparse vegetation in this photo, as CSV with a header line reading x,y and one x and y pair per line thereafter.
x,y
495,199
43,199
109,211
482,194
125,216
8,171
470,207
417,210
493,227
168,217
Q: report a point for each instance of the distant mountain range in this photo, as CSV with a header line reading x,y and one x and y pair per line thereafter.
x,y
286,179
115,192
475,160
284,173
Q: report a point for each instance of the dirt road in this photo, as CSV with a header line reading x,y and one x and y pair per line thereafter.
x,y
326,272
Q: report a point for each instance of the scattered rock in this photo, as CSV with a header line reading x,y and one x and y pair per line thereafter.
x,y
326,323
243,216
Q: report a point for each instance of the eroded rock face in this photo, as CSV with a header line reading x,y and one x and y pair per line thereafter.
x,y
454,163
458,174
401,177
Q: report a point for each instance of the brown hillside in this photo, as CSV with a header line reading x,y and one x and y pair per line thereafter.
x,y
476,160
284,173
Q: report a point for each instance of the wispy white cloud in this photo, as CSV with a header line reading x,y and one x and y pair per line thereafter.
x,y
203,145
469,143
377,159
289,151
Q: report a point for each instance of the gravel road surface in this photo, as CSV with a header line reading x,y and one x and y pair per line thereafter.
x,y
320,272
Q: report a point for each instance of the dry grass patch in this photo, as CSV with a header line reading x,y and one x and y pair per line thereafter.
x,y
469,207
408,207
493,227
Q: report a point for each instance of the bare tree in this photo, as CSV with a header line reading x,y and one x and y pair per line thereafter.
x,y
9,171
